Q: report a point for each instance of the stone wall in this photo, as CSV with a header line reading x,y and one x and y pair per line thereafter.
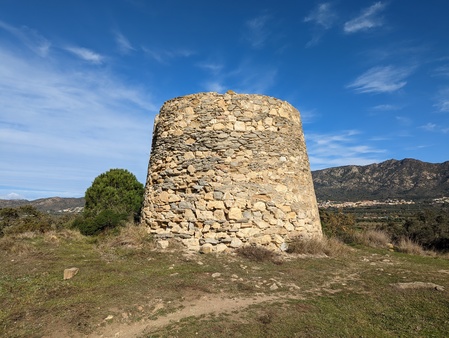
x,y
229,170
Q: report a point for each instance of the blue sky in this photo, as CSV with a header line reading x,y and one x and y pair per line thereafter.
x,y
81,81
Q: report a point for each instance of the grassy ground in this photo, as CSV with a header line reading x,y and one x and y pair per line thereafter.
x,y
125,288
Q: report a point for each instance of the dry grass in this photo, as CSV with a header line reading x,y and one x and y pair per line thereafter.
x,y
258,254
408,246
130,237
373,239
14,246
54,236
325,246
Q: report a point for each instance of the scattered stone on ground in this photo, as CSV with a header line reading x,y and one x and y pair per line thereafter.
x,y
70,273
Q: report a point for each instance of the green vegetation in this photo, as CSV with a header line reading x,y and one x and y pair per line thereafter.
x,y
114,197
424,224
117,190
27,218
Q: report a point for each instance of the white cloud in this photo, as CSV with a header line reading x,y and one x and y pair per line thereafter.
x,y
404,121
323,16
443,101
442,71
257,32
386,107
86,54
429,127
246,78
368,19
308,116
12,196
344,148
123,43
213,67
385,79
164,55
61,126
215,86
34,41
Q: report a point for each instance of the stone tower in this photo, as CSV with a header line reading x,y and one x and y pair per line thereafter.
x,y
229,170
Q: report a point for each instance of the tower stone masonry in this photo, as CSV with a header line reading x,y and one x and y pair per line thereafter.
x,y
228,170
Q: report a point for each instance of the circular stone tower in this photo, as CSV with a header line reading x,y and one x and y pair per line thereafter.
x,y
229,170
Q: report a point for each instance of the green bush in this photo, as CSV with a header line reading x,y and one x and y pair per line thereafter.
x,y
117,190
338,224
113,197
106,219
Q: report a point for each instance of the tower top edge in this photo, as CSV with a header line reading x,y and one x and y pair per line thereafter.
x,y
227,95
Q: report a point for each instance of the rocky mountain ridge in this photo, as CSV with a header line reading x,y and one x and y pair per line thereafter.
x,y
392,179
50,205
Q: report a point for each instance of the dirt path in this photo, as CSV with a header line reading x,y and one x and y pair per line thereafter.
x,y
206,305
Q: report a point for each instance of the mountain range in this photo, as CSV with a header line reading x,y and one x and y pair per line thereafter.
x,y
408,179
392,179
50,205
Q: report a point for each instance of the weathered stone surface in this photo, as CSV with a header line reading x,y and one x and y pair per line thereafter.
x,y
221,247
261,240
231,169
70,273
236,243
206,248
162,244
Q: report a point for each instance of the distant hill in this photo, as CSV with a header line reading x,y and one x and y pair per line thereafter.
x,y
51,204
392,179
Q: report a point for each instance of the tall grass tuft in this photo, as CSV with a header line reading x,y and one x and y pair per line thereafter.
x,y
11,245
131,236
258,254
331,246
406,245
373,239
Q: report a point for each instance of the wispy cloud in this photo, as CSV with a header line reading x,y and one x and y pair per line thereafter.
x,y
384,79
256,79
434,128
246,78
443,100
429,127
124,46
257,31
64,127
86,54
308,116
214,86
344,148
323,17
441,71
33,40
212,67
368,19
386,107
164,56
404,121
